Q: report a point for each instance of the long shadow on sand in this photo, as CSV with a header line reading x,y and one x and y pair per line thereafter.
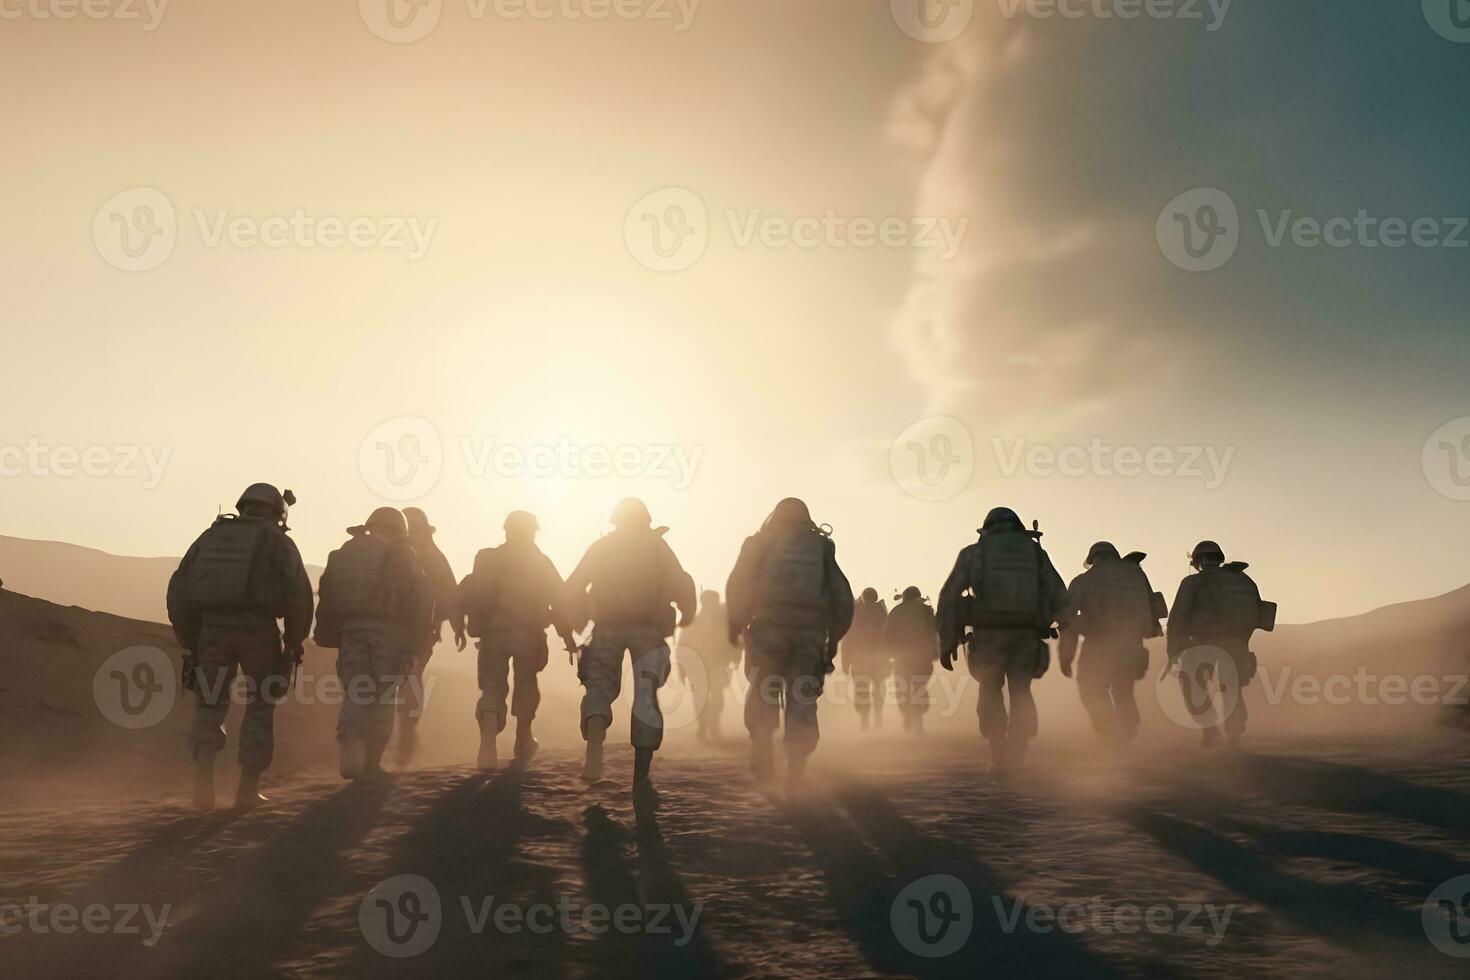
x,y
471,846
869,853
650,882
1339,786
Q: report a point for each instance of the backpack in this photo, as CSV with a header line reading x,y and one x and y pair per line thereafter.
x,y
1230,603
354,583
792,588
1005,575
227,570
1121,605
627,587
477,592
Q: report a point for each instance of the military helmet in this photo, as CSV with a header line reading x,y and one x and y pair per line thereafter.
x,y
631,512
870,594
911,593
1103,549
1001,517
388,522
418,521
520,520
264,495
1206,549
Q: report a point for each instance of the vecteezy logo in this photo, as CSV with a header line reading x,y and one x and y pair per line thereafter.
x,y
668,230
402,459
934,21
136,687
1199,230
1449,18
933,916
1446,917
401,916
400,21
136,230
933,459
1204,671
1446,459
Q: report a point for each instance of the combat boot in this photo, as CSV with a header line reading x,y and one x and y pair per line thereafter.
x,y
248,797
489,756
596,735
354,757
204,781
526,744
642,761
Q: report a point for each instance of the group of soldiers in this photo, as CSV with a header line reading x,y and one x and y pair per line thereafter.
x,y
241,601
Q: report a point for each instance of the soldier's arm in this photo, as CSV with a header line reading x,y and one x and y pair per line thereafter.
x,y
840,605
1179,615
552,587
572,603
183,620
1056,589
738,599
298,602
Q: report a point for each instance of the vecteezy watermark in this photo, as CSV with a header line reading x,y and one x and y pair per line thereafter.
x,y
1209,464
564,458
36,459
1449,18
402,458
1211,12
1446,917
932,21
933,459
148,13
1200,230
402,917
406,21
137,230
1125,918
670,229
1209,682
136,687
1446,459
1363,687
933,916
120,919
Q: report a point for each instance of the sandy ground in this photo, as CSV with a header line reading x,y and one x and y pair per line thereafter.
x,y
1321,852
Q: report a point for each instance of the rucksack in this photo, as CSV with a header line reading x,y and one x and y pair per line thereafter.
x,y
1120,605
1230,603
792,588
627,588
354,584
1005,576
227,571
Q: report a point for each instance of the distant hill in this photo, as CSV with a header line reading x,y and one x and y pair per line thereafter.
x,y
71,575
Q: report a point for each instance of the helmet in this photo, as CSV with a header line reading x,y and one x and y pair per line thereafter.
x,y
519,520
631,512
264,495
789,513
1000,518
870,594
388,522
1103,549
1206,549
911,593
418,521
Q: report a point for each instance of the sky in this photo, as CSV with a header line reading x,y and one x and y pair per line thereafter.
x,y
457,256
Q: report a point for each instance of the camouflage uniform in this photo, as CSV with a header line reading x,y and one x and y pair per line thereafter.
x,y
372,662
788,646
632,579
248,640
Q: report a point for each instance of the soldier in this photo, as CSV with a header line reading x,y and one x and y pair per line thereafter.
x,y
706,658
865,659
1004,589
443,589
912,635
235,581
509,598
1114,607
634,581
793,604
1215,612
375,609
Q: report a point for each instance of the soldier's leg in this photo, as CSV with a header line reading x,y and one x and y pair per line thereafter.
x,y
763,671
1130,670
411,700
390,663
530,659
714,705
1020,672
493,673
919,679
988,668
1196,682
650,671
1094,686
265,687
805,677
862,696
354,670
600,670
1232,694
213,679
880,693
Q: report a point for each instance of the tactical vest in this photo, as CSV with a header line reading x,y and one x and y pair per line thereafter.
x,y
1229,604
505,590
792,587
1119,603
627,590
1005,576
228,571
357,581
